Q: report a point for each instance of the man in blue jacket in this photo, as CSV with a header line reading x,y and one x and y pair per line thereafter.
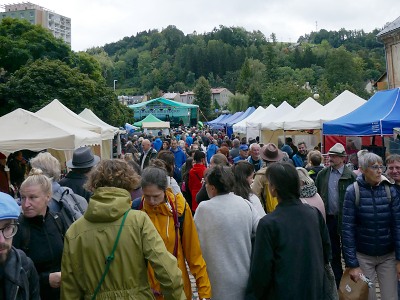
x,y
371,227
180,159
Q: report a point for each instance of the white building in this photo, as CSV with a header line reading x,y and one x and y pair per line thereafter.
x,y
59,25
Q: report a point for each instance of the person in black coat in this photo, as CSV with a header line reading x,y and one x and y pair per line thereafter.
x,y
18,277
83,160
41,234
292,244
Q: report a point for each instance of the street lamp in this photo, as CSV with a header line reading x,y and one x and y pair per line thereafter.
x,y
115,80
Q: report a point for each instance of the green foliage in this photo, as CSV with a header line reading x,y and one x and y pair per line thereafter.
x,y
202,94
35,85
254,97
238,102
281,90
21,42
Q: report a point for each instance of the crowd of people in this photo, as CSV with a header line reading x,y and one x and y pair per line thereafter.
x,y
246,220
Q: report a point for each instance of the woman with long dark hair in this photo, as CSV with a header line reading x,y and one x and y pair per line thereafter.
x,y
244,172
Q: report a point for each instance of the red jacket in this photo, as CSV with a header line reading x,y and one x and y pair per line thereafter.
x,y
196,174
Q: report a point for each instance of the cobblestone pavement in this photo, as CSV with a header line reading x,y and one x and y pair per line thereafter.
x,y
195,295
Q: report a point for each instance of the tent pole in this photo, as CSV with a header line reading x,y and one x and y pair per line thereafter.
x,y
322,142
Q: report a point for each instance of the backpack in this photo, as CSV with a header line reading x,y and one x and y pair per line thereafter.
x,y
71,206
357,193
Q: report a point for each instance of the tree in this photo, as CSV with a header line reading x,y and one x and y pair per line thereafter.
x,y
282,90
21,41
38,83
342,68
238,102
244,78
202,92
254,97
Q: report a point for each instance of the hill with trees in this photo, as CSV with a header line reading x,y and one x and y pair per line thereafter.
x,y
262,69
35,67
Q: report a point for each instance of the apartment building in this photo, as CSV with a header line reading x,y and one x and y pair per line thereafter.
x,y
59,25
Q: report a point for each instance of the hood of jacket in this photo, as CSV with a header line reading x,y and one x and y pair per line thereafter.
x,y
108,204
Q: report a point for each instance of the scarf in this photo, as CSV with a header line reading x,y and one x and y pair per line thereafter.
x,y
307,191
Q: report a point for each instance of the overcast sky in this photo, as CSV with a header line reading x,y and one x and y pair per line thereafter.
x,y
97,22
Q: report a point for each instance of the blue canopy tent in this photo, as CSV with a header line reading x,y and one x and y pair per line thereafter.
x,y
223,122
217,119
378,116
217,125
229,125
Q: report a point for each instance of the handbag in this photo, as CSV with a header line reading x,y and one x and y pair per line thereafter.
x,y
110,258
329,291
350,290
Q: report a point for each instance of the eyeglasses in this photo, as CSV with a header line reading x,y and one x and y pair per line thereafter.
x,y
9,231
376,167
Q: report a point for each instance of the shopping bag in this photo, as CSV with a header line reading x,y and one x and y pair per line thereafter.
x,y
349,290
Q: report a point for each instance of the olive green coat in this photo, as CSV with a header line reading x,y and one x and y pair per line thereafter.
x,y
90,240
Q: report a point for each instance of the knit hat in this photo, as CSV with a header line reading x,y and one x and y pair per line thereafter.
x,y
9,208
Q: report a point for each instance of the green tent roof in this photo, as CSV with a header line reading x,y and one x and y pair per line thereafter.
x,y
164,101
149,118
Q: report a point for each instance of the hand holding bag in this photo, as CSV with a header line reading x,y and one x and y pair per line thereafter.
x,y
350,290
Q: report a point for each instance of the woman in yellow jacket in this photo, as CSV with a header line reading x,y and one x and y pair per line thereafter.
x,y
166,211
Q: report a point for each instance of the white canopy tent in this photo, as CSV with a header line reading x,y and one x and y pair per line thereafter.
x,y
306,107
26,130
271,136
253,126
56,111
343,104
156,125
107,131
240,127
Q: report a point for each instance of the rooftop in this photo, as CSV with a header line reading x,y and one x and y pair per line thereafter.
x,y
390,27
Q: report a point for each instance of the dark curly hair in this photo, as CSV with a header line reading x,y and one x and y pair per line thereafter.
x,y
113,173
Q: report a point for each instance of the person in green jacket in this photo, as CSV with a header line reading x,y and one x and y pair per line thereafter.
x,y
91,238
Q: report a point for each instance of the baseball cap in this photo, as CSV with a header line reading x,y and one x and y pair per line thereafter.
x,y
244,147
9,209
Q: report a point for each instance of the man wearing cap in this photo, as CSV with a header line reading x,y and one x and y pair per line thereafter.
x,y
18,277
269,154
332,183
254,157
243,153
83,160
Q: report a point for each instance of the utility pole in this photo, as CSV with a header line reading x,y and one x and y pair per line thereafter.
x,y
115,80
